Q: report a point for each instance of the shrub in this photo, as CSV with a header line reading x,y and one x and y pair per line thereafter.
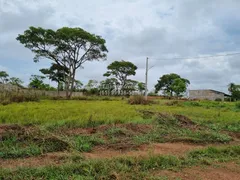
x,y
218,99
138,100
152,94
172,103
80,98
237,105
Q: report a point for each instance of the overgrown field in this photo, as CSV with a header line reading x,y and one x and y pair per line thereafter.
x,y
111,139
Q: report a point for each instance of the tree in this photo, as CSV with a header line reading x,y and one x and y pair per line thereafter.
x,y
109,85
92,87
16,81
78,85
234,90
179,86
131,85
36,82
141,87
121,70
67,47
56,73
172,83
231,87
91,84
4,77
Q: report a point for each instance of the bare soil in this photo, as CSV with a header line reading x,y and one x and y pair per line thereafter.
x,y
56,158
223,171
143,151
100,152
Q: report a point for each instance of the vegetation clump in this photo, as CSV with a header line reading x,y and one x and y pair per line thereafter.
x,y
138,100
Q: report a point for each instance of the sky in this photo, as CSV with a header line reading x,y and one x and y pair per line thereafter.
x,y
133,30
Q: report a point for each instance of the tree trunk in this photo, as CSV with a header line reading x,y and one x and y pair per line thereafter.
x,y
72,83
58,89
67,86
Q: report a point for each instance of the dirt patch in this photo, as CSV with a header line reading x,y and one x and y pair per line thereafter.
x,y
43,160
235,135
143,151
185,121
80,131
5,128
218,172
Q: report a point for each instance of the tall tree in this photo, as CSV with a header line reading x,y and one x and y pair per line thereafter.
x,y
67,47
172,83
121,70
4,77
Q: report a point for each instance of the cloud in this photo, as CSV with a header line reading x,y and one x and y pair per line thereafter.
x,y
134,30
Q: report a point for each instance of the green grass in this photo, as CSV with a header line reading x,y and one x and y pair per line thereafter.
x,y
86,143
126,168
90,113
52,121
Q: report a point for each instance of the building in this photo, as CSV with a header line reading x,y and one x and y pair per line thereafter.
x,y
207,94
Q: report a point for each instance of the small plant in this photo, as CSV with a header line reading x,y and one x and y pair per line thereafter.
x,y
218,99
86,143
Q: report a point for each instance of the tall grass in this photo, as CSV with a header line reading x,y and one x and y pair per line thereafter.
x,y
84,113
17,97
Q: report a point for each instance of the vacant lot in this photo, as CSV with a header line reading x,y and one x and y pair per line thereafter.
x,y
110,139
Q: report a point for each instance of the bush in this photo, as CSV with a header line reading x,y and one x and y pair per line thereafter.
x,y
237,105
173,103
138,100
218,99
152,94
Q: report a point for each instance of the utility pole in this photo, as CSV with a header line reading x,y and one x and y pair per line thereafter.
x,y
146,79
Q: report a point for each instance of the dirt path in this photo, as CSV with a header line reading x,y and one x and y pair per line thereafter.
x,y
144,150
222,171
100,153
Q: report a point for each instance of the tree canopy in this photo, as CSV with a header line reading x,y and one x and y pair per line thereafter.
x,y
37,82
56,73
4,77
172,84
16,81
67,47
234,89
141,87
121,70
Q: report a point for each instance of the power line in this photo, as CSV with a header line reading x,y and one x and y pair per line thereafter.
x,y
201,57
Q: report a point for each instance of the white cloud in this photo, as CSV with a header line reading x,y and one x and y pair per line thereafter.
x,y
134,29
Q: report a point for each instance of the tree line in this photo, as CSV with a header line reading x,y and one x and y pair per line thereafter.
x,y
70,48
